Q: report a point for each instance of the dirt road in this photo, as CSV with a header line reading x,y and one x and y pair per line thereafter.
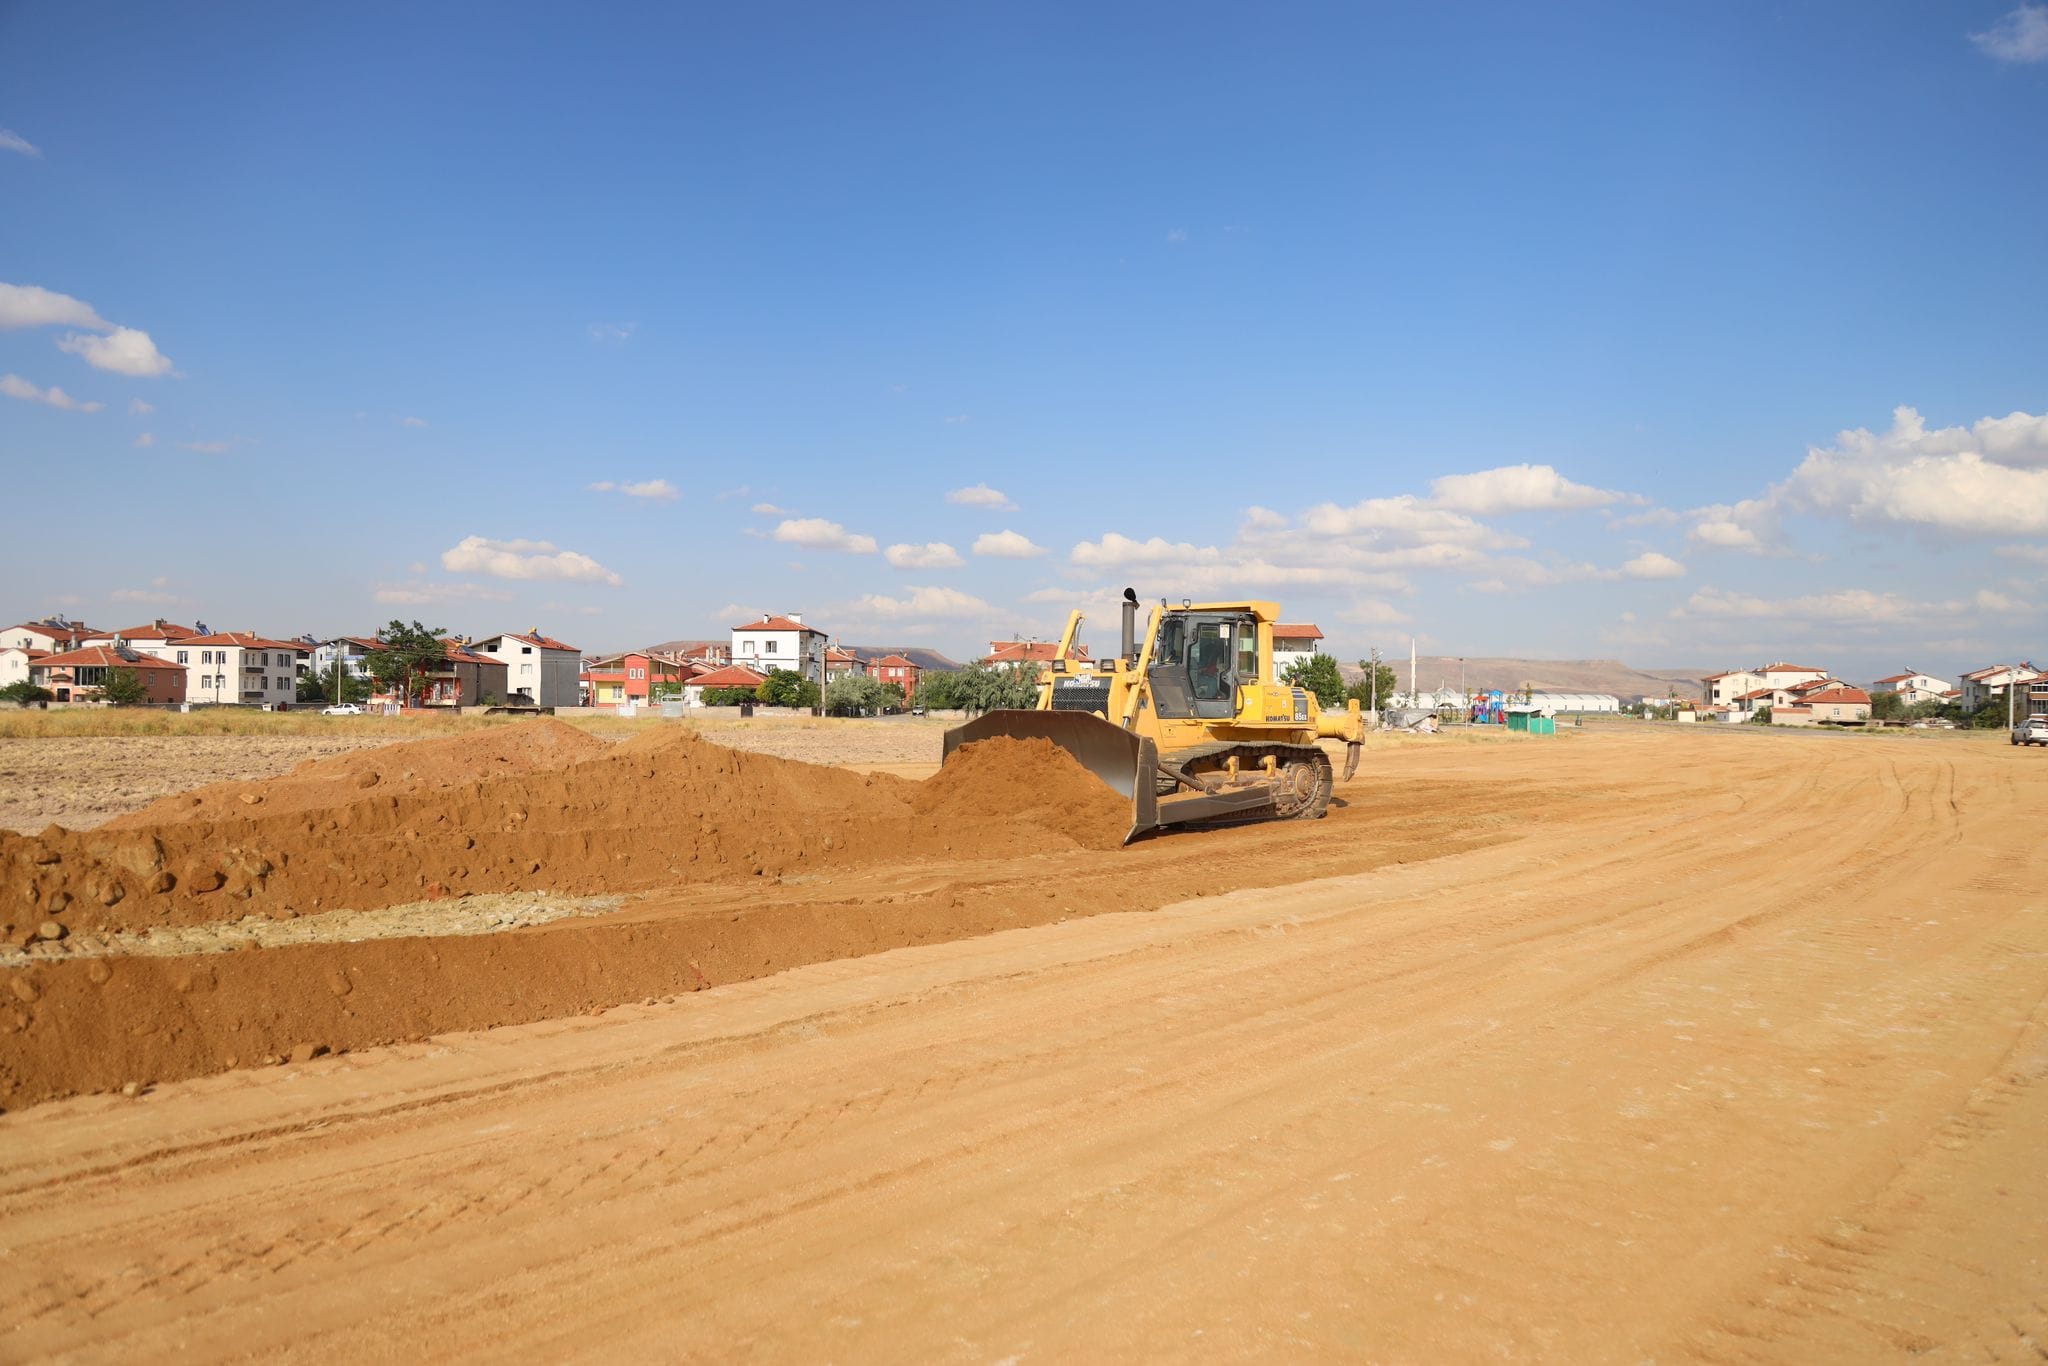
x,y
1727,1052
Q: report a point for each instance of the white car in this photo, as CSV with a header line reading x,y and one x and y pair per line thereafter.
x,y
2032,731
342,709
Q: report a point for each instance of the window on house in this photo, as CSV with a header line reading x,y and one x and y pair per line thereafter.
x,y
526,649
181,656
771,647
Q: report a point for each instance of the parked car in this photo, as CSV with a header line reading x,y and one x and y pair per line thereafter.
x,y
342,709
2032,731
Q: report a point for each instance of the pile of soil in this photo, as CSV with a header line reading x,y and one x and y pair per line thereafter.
x,y
529,747
1035,783
479,814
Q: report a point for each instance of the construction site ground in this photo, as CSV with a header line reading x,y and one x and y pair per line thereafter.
x,y
1633,1044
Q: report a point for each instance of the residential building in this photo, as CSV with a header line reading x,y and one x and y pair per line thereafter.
x,y
50,634
1017,654
782,642
1989,684
15,661
539,669
898,670
732,676
155,638
842,663
464,678
1835,706
1294,643
351,652
238,668
2034,700
716,653
1913,687
1727,689
75,675
638,676
1790,675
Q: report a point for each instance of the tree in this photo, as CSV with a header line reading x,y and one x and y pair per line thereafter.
x,y
892,697
942,691
1369,697
856,695
24,693
122,687
727,697
1761,716
1319,674
335,685
787,688
403,653
1886,706
981,687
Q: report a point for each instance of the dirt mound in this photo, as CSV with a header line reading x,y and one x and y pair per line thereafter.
x,y
666,809
1028,782
528,747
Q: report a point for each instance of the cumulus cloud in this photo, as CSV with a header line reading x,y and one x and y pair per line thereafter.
x,y
1007,545
1651,565
11,141
930,555
138,408
124,351
1374,612
521,559
1406,517
2021,36
34,306
923,602
816,533
647,490
412,422
770,510
14,386
612,332
1517,488
1180,566
1849,607
982,496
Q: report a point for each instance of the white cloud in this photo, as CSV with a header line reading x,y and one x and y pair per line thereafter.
x,y
14,386
1651,565
1409,518
138,408
770,510
1263,519
647,490
923,602
723,494
982,496
930,555
1989,479
612,332
2021,36
157,595
736,612
146,439
1750,525
1374,612
520,559
1649,516
2038,554
420,594
1517,488
34,306
1007,545
206,447
412,422
1181,567
1850,607
11,141
124,351
815,533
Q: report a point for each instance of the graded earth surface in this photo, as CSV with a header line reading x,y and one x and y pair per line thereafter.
x,y
1632,1044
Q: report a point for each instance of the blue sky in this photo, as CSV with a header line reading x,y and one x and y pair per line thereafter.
x,y
1688,335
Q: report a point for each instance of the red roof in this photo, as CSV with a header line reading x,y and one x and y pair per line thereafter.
x,y
156,630
1790,669
245,640
1898,678
1837,697
731,676
545,642
1760,692
777,624
31,651
837,655
1291,632
104,656
894,661
70,632
1029,652
1812,684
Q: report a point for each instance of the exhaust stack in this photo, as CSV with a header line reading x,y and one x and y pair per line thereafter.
x,y
1130,638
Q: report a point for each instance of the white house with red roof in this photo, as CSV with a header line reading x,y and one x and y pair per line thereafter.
x,y
780,642
841,662
15,661
1990,684
1833,704
538,669
731,676
1914,687
154,638
50,634
1294,643
1732,687
238,668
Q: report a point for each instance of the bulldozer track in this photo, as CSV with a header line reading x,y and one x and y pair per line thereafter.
x,y
1307,778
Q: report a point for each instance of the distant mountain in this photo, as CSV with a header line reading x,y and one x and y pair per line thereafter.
x,y
1545,675
916,654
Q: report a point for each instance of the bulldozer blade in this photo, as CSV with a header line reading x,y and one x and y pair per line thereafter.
x,y
1127,762
1351,753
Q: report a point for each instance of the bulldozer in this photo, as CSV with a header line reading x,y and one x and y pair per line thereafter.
x,y
1191,722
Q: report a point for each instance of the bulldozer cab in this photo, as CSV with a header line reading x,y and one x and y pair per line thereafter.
x,y
1199,661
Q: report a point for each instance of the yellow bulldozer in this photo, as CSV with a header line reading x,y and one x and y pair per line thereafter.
x,y
1191,722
